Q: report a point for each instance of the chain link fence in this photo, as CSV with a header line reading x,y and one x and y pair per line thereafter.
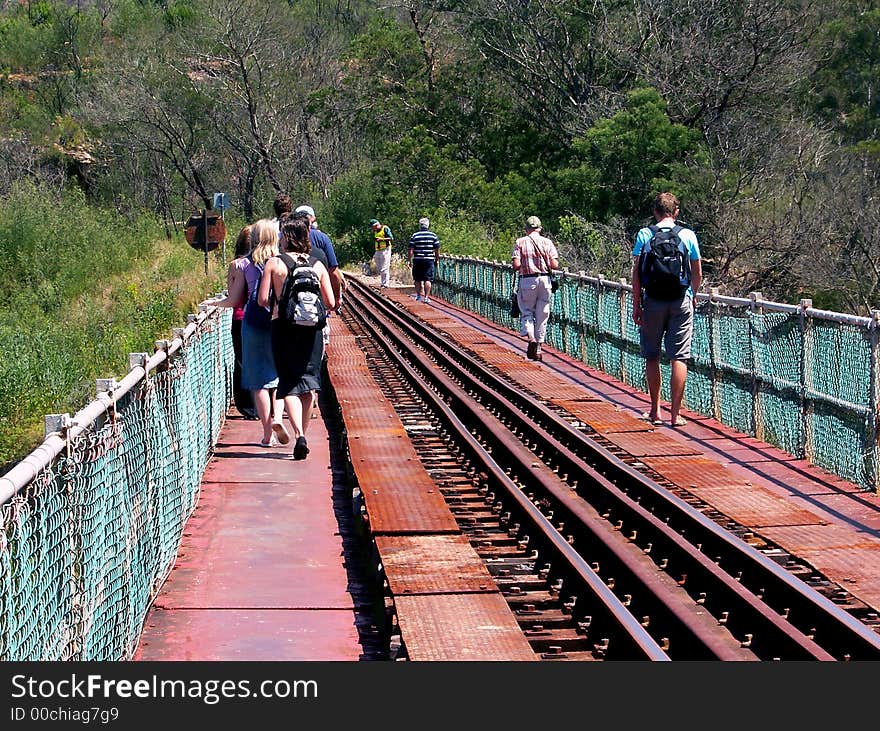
x,y
92,520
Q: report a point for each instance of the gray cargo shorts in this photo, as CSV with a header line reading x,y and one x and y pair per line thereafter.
x,y
673,319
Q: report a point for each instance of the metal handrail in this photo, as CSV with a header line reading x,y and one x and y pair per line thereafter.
x,y
864,404
757,303
56,442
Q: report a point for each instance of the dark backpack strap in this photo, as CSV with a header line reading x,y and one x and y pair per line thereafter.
x,y
288,260
676,230
290,264
646,247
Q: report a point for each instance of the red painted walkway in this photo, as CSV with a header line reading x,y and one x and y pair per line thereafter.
x,y
261,572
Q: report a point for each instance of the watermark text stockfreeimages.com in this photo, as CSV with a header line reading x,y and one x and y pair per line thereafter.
x,y
96,686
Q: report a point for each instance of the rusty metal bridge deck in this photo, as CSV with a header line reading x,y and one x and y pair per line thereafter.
x,y
222,601
833,524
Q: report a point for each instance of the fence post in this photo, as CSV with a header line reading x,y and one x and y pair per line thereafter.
x,y
582,325
108,386
60,423
494,316
714,353
478,289
140,359
564,316
873,427
621,303
165,345
806,401
757,411
600,361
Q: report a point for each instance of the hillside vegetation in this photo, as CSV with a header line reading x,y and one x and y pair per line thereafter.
x,y
79,290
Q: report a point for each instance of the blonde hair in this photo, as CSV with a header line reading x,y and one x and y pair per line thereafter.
x,y
264,241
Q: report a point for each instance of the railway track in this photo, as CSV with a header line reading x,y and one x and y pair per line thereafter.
x,y
596,559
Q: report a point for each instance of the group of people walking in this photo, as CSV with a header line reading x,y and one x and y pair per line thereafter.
x,y
284,282
423,255
666,274
280,343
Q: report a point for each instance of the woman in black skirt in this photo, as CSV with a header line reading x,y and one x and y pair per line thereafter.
x,y
297,349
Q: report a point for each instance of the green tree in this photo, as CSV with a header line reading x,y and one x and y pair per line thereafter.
x,y
847,82
626,158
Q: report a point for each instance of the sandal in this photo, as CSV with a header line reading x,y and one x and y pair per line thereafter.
x,y
655,420
679,421
301,448
271,443
280,432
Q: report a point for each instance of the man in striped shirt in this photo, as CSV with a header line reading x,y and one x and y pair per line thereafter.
x,y
424,256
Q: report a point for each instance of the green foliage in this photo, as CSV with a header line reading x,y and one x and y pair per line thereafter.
x,y
180,13
79,290
464,237
476,113
35,225
627,158
847,85
134,21
19,113
595,248
22,42
355,199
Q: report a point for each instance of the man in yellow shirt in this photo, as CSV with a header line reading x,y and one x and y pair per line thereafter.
x,y
382,257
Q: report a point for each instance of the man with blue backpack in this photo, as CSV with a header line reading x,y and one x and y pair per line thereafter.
x,y
666,274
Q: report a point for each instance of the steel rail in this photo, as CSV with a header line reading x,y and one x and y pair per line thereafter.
x,y
832,623
750,612
674,613
615,611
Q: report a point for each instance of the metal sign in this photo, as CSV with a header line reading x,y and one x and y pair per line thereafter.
x,y
205,226
221,202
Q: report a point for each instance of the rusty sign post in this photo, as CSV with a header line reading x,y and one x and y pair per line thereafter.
x,y
204,231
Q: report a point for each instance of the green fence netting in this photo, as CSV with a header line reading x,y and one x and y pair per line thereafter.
x,y
85,547
804,384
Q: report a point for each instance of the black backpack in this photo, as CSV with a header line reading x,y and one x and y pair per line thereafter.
x,y
664,265
301,302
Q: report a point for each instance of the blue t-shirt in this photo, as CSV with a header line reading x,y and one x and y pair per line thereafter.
x,y
320,240
688,238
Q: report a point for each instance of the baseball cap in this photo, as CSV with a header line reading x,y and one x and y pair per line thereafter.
x,y
374,221
424,223
533,222
306,209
